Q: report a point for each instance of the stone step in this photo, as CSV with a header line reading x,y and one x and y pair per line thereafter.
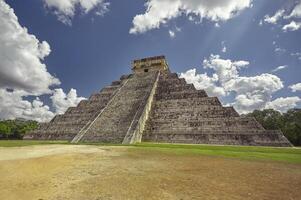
x,y
162,110
264,138
176,88
181,95
193,101
212,132
186,116
189,117
206,120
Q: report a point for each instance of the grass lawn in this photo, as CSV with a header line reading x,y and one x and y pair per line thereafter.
x,y
288,155
21,143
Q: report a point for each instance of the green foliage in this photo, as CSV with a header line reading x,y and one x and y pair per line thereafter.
x,y
15,129
289,123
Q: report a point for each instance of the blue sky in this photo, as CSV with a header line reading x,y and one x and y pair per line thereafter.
x,y
91,46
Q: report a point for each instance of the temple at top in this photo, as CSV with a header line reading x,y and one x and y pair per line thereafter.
x,y
157,63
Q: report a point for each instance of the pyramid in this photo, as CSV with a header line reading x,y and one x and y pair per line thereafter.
x,y
154,105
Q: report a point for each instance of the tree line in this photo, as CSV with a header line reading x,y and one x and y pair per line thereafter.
x,y
289,123
15,129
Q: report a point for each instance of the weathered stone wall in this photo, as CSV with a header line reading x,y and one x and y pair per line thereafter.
x,y
182,114
67,126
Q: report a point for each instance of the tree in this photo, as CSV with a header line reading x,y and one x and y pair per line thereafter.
x,y
15,129
5,130
289,123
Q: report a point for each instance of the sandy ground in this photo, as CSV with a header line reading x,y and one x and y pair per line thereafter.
x,y
62,172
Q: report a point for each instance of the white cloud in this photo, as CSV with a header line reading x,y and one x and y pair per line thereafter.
x,y
159,12
225,69
21,56
296,12
279,50
22,73
281,17
260,23
280,68
61,101
273,19
293,26
65,9
172,34
253,92
250,93
203,81
224,48
295,87
283,104
297,54
13,105
178,29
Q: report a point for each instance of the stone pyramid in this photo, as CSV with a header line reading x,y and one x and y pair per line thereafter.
x,y
154,105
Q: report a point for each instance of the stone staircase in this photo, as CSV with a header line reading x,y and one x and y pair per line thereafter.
x,y
84,130
113,124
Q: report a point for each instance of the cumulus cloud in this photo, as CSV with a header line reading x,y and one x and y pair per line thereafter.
x,y
250,92
13,105
61,101
295,87
23,73
280,68
203,81
225,68
273,19
283,15
65,9
296,12
292,26
21,56
283,104
253,92
159,12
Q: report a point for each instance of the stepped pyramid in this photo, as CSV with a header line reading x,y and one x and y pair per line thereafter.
x,y
154,105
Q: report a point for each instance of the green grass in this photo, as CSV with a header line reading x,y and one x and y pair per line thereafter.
x,y
289,155
21,143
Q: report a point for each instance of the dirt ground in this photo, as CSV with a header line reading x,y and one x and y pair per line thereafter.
x,y
62,172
